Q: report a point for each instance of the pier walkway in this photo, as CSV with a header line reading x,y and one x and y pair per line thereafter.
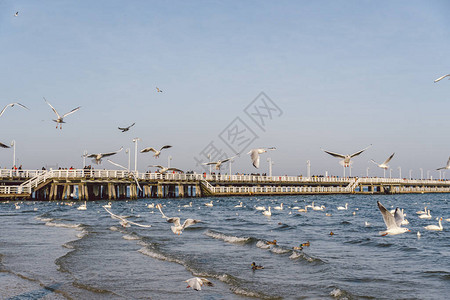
x,y
84,184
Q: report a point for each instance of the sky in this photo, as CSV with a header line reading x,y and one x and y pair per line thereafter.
x,y
337,75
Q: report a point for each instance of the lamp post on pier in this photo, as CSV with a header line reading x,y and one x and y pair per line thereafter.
x,y
135,140
85,153
128,151
400,172
13,144
410,174
169,158
308,168
209,159
390,173
367,172
421,173
270,166
428,174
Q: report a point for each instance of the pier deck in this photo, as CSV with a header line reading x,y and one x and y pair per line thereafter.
x,y
117,184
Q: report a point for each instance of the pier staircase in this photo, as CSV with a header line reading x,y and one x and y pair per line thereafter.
x,y
206,188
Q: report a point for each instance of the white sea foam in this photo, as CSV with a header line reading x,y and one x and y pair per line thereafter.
x,y
227,238
131,237
337,293
279,250
262,245
153,254
43,219
63,225
113,228
82,234
295,255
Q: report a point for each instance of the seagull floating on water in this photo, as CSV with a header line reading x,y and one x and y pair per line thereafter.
x,y
346,159
442,77
157,152
60,119
126,128
196,283
177,228
447,167
97,157
254,155
393,222
11,105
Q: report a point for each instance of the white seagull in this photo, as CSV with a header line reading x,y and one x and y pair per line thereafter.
x,y
196,283
435,227
177,228
157,152
393,222
254,155
447,167
163,170
16,14
60,119
130,174
219,163
123,221
11,105
384,165
442,77
346,159
97,157
126,128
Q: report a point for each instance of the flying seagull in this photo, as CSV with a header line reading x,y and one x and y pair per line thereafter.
x,y
60,119
11,105
219,163
3,145
346,159
163,170
126,128
131,174
157,152
384,165
392,221
158,90
16,14
177,228
442,77
123,221
196,283
97,158
447,167
254,155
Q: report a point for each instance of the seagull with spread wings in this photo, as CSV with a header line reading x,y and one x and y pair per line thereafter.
x,y
447,167
384,165
123,221
131,174
177,228
157,152
11,105
392,221
219,163
254,155
442,77
3,145
97,157
126,128
158,90
163,170
60,119
346,159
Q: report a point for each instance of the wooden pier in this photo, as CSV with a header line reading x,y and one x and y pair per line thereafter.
x,y
118,184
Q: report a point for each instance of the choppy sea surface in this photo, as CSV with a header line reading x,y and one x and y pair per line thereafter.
x,y
49,250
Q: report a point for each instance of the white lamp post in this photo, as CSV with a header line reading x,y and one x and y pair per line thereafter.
x,y
308,168
168,161
421,173
410,174
85,153
390,173
400,172
270,166
367,172
129,157
428,174
13,144
135,140
209,158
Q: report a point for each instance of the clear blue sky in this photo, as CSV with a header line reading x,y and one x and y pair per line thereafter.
x,y
345,74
